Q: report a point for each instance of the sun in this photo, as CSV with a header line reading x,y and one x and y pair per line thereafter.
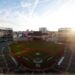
x,y
73,29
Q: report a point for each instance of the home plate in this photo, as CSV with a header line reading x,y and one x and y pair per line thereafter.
x,y
61,60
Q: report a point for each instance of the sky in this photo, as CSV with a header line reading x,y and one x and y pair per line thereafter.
x,y
21,15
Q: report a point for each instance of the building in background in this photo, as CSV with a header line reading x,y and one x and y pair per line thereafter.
x,y
64,34
43,29
61,36
37,35
52,36
15,36
20,35
6,34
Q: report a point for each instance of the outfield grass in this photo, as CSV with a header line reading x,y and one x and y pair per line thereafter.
x,y
22,47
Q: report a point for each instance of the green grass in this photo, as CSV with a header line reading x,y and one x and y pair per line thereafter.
x,y
36,46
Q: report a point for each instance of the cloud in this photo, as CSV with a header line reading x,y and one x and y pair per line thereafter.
x,y
34,6
62,15
31,6
26,4
42,1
